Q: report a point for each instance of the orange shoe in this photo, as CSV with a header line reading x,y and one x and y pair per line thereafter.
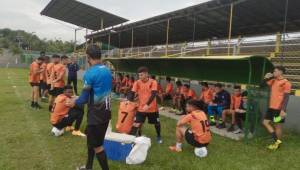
x,y
175,149
78,133
69,128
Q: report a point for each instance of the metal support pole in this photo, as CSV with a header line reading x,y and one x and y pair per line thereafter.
x,y
208,47
86,45
167,38
278,43
194,30
238,47
102,24
230,27
131,41
108,46
75,40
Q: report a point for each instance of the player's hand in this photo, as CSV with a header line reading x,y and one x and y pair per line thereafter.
x,y
146,107
70,102
268,75
282,114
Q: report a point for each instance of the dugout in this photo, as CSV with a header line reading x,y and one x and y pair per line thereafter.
x,y
245,70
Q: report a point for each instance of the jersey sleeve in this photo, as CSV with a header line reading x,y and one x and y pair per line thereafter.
x,y
270,82
154,86
135,87
185,120
287,87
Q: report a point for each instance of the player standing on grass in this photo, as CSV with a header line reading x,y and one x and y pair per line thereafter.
x,y
34,80
96,93
146,91
280,92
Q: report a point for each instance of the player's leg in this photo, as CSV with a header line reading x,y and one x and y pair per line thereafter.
x,y
179,139
78,116
138,122
36,90
153,118
211,113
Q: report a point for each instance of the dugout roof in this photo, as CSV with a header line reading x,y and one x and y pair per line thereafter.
x,y
206,21
80,14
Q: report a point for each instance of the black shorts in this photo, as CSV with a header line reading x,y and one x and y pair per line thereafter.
x,y
189,137
153,118
48,86
272,113
96,134
35,84
43,85
56,91
168,97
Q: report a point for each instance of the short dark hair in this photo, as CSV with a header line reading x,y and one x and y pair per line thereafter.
x,y
238,87
187,86
47,58
219,85
130,96
132,78
40,58
244,94
93,51
55,56
64,57
153,77
68,87
143,69
281,68
178,83
168,78
205,84
127,76
196,103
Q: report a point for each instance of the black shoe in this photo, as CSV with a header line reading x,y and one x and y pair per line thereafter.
x,y
231,128
212,124
32,104
221,126
37,106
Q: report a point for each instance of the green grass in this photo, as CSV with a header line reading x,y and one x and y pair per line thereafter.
x,y
26,143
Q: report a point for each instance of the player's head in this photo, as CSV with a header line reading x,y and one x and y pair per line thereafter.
x,y
46,59
193,105
68,90
178,83
245,96
218,87
42,53
186,87
55,58
132,78
279,71
130,96
168,79
143,73
127,76
73,59
204,85
64,60
237,90
40,60
153,77
93,54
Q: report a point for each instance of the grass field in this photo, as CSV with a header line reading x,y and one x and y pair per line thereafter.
x,y
26,143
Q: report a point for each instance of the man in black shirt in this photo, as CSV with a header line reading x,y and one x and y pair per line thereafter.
x,y
73,67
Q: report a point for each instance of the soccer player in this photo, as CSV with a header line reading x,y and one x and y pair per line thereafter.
x,y
240,113
96,93
34,80
276,114
168,93
45,77
206,96
221,101
198,135
58,77
49,70
146,91
126,115
63,114
177,96
236,100
73,68
119,80
186,94
125,87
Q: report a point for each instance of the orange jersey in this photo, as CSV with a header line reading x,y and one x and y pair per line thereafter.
x,y
278,89
43,74
159,89
235,102
207,95
34,77
125,81
199,126
130,83
190,93
169,88
144,91
59,69
59,110
49,69
126,116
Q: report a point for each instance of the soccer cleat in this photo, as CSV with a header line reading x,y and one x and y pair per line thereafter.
x,y
32,105
69,128
275,145
231,128
37,106
175,149
277,119
78,133
221,126
159,140
238,131
82,168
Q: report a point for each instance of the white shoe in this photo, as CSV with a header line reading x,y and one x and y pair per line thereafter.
x,y
238,131
56,132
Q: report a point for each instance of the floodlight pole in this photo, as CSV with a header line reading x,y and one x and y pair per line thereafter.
x,y
230,28
108,47
131,41
167,38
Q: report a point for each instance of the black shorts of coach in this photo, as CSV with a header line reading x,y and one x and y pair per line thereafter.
x,y
153,118
272,113
56,91
34,84
190,139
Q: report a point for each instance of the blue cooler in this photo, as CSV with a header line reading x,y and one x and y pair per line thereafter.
x,y
118,146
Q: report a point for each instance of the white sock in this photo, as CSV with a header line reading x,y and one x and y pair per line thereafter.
x,y
178,145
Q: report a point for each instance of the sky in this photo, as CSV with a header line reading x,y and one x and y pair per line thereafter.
x,y
25,15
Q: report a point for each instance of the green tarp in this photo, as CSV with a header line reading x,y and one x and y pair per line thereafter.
x,y
230,69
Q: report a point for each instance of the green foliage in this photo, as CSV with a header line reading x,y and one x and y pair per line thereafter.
x,y
18,40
